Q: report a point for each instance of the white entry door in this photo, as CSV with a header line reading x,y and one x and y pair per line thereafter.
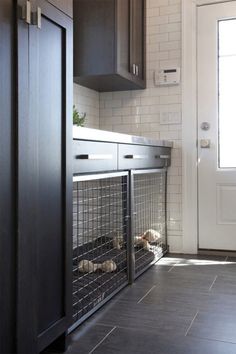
x,y
216,73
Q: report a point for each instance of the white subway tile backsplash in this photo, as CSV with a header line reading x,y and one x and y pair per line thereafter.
x,y
157,20
150,118
170,27
158,38
141,110
157,3
170,45
175,36
113,103
87,101
175,18
171,9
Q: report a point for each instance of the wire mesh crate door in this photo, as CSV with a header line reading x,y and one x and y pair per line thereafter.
x,y
149,225
99,241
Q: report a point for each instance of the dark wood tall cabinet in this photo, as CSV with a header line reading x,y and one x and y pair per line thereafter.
x,y
35,178
109,44
7,184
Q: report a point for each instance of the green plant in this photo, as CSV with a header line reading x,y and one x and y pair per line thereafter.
x,y
78,118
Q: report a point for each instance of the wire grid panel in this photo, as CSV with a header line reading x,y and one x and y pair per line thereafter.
x,y
99,241
149,225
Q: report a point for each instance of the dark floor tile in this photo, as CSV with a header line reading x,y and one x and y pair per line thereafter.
x,y
205,266
86,337
218,326
164,318
132,293
194,280
224,285
161,266
150,278
154,314
178,296
129,341
219,303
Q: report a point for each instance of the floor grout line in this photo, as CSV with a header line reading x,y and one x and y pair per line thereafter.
x,y
213,283
101,341
186,333
212,340
153,287
170,269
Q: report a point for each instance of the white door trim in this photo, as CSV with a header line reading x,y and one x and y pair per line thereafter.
x,y
189,127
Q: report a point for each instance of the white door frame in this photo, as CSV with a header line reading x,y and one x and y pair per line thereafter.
x,y
189,126
189,122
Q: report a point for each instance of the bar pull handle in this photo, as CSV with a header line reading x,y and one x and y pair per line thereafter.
x,y
94,157
137,70
163,157
37,18
134,69
26,12
136,157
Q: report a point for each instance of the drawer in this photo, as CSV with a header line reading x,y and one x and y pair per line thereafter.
x,y
139,156
90,156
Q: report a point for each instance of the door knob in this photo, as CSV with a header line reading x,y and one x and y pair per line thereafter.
x,y
205,143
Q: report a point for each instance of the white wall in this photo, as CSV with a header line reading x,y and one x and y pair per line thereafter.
x,y
139,112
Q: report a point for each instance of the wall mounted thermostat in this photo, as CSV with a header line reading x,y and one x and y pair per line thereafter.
x,y
170,76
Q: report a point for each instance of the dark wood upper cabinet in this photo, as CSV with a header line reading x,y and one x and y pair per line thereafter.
x,y
109,44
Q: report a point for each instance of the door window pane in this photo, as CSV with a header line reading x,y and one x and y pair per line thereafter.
x,y
227,93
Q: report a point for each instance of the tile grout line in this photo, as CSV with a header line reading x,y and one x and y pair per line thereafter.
x,y
146,294
186,333
101,341
170,269
213,283
212,340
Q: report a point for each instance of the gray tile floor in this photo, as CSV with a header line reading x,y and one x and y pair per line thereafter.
x,y
182,305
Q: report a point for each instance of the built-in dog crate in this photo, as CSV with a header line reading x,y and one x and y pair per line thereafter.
x,y
119,216
100,224
148,205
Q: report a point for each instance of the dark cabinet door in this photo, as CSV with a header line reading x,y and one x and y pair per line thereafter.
x,y
7,171
123,36
137,37
65,6
45,182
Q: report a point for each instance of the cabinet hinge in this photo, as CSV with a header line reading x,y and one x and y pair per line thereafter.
x,y
26,12
36,18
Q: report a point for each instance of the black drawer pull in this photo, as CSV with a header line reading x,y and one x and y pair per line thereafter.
x,y
164,157
136,157
94,157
